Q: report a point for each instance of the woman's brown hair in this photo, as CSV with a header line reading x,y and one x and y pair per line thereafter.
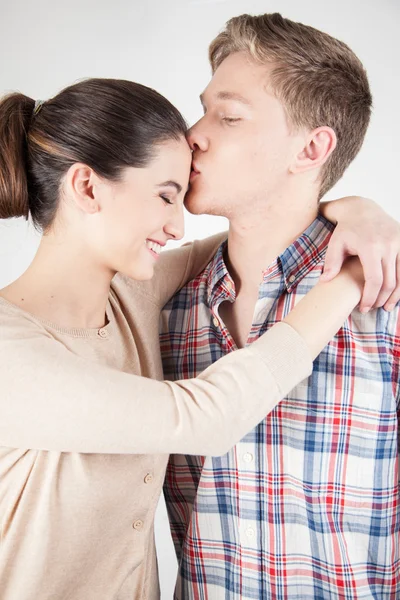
x,y
107,124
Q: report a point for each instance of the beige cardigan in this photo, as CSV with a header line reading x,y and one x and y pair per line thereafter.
x,y
84,440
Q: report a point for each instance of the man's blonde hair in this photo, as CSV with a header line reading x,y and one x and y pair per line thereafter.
x,y
318,79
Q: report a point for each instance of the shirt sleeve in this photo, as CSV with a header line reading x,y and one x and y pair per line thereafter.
x,y
180,488
177,267
393,334
52,399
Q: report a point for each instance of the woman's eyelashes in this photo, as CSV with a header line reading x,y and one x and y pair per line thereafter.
x,y
166,199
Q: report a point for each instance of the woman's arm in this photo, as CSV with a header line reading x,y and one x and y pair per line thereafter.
x,y
320,314
52,399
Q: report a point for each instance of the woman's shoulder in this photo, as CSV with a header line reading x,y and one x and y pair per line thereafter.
x,y
16,322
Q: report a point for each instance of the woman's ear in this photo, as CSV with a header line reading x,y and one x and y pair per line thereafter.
x,y
80,184
319,145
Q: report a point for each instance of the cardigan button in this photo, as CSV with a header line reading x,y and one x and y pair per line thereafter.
x,y
138,525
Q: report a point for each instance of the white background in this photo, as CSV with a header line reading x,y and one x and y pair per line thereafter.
x,y
46,45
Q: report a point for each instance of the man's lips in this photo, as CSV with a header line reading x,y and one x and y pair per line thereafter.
x,y
194,172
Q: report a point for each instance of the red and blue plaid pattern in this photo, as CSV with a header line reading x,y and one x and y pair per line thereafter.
x,y
307,505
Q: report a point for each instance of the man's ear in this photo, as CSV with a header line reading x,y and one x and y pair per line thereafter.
x,y
81,182
319,145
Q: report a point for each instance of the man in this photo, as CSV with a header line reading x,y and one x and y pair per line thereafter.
x,y
306,506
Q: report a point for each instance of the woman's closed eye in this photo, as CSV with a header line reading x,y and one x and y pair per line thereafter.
x,y
166,199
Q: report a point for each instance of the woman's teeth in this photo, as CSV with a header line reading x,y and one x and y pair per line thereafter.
x,y
153,246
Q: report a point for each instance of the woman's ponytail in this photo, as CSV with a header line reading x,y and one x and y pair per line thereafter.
x,y
16,112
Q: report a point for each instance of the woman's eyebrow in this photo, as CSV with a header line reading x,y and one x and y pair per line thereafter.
x,y
171,183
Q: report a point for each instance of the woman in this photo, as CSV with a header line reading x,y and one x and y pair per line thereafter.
x,y
102,169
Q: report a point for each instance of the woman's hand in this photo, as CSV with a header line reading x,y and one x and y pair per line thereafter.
x,y
365,230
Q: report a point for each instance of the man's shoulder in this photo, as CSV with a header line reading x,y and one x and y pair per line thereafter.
x,y
377,322
375,334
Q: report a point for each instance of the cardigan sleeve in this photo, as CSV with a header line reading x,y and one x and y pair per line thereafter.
x,y
177,267
52,399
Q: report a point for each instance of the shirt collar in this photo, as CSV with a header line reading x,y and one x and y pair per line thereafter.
x,y
305,253
301,257
218,273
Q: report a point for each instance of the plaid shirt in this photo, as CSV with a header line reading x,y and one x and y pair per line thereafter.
x,y
307,505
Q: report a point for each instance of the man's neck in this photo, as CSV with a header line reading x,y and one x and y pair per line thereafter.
x,y
254,243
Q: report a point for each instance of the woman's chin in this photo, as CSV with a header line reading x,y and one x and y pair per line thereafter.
x,y
143,273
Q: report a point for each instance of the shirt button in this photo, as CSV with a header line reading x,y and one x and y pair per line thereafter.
x,y
229,285
138,525
148,478
216,322
103,333
247,457
250,532
292,278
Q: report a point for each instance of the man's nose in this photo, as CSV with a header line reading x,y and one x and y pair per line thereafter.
x,y
197,139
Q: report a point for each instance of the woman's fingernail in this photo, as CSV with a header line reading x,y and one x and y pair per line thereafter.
x,y
365,309
390,307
